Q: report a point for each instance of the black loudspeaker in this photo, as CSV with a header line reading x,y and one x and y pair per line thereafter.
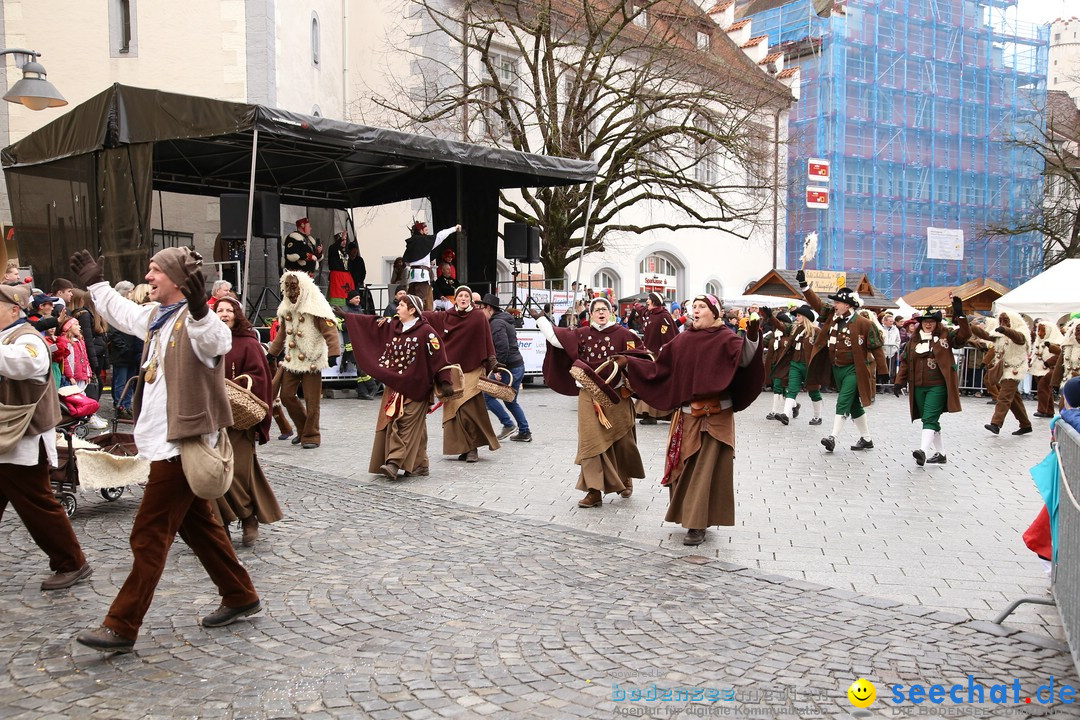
x,y
521,242
265,216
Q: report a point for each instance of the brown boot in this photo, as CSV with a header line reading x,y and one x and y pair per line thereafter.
x,y
251,531
593,498
629,483
472,456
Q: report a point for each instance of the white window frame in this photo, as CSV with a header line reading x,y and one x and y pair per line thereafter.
x,y
316,39
506,64
607,277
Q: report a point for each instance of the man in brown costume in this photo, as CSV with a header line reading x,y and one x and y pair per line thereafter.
x,y
607,440
658,329
708,374
1045,353
308,328
1068,362
846,355
1012,340
928,370
25,380
180,396
466,337
407,356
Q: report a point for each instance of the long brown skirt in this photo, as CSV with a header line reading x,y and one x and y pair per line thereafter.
x,y
607,456
645,409
401,440
703,489
250,492
469,428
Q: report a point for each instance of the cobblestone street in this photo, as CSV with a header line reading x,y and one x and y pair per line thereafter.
x,y
483,590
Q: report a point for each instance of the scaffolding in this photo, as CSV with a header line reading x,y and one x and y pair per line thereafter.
x,y
914,103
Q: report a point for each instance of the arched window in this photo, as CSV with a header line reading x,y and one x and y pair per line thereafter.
x,y
661,273
316,111
607,278
315,41
713,287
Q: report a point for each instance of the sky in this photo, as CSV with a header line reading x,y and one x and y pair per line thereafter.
x,y
1043,11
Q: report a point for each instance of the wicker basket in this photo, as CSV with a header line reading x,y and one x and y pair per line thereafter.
x,y
247,409
496,388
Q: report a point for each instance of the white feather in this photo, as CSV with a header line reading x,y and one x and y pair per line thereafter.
x,y
809,247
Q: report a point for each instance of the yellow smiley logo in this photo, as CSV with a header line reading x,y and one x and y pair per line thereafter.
x,y
862,693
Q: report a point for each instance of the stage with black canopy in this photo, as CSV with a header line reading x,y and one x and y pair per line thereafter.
x,y
85,180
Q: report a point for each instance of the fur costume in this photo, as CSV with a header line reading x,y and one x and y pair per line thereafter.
x,y
1070,353
305,351
1040,353
1014,356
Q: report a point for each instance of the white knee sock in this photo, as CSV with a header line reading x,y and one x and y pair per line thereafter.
x,y
789,406
837,424
819,405
864,428
777,403
939,445
927,440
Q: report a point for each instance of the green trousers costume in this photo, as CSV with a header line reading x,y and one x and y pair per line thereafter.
x,y
847,391
929,404
795,379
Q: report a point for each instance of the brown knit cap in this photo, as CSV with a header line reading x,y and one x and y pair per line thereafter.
x,y
178,263
16,295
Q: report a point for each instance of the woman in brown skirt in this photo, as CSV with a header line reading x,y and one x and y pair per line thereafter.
x,y
658,329
407,356
709,373
466,337
607,439
250,498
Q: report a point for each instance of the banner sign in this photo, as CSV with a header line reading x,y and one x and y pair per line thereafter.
x,y
944,244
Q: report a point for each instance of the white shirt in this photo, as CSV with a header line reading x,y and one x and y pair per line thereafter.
x,y
891,340
422,271
210,339
25,359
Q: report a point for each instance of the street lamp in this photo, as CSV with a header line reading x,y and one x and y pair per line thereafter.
x,y
33,91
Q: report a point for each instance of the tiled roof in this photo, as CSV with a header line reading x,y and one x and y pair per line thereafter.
x,y
738,26
787,73
756,40
771,57
721,6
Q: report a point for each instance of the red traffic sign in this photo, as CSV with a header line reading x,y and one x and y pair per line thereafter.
x,y
817,198
817,169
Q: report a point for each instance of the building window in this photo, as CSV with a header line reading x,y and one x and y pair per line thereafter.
x,y
607,278
641,19
315,42
504,84
660,273
122,28
702,40
316,111
713,287
162,239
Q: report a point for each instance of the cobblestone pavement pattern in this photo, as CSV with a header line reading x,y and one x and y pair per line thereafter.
x,y
381,602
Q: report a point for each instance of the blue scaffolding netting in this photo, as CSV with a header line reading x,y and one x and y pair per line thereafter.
x,y
915,104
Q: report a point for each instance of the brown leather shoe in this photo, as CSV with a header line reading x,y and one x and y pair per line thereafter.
x,y
472,456
105,640
419,472
629,483
251,531
59,581
694,537
390,470
593,498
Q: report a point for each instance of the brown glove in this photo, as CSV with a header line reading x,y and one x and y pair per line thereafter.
x,y
88,270
194,289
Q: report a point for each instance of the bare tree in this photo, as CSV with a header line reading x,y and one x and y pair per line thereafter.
x,y
669,108
1052,137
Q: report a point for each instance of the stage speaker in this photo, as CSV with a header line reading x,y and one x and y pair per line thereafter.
x,y
265,216
521,242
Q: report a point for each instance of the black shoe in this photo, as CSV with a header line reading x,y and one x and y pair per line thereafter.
x,y
296,440
770,416
284,436
363,394
936,459
863,444
226,615
920,457
991,401
309,445
814,421
795,411
105,640
462,456
993,428
694,537
1023,431
829,443
522,437
782,418
648,420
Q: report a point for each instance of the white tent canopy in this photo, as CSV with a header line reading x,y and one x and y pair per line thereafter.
x,y
1050,294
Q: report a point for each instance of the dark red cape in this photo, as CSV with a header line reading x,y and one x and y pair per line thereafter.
x,y
419,349
655,320
587,344
697,364
247,357
466,336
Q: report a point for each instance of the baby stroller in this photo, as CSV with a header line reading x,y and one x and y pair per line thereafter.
x,y
76,409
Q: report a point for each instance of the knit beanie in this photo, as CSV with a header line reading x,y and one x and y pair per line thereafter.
x,y
712,302
178,263
1071,392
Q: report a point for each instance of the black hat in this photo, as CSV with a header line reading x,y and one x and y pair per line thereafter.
x,y
492,301
930,314
784,317
806,311
847,295
351,294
